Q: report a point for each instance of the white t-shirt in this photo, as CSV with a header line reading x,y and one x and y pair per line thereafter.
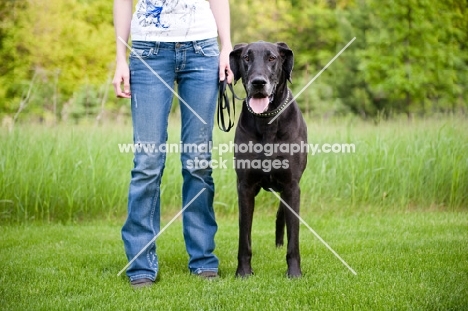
x,y
173,21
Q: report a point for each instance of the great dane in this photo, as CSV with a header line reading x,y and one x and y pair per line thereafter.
x,y
264,156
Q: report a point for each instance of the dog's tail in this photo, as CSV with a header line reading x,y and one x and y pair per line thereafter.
x,y
280,225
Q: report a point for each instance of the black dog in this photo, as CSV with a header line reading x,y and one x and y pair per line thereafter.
x,y
263,154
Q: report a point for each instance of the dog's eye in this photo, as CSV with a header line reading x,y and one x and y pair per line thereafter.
x,y
246,58
272,58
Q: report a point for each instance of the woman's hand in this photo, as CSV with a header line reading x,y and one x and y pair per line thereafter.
x,y
122,78
224,66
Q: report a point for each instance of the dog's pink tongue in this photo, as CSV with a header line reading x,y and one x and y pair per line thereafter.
x,y
259,105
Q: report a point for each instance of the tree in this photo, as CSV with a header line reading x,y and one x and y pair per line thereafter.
x,y
411,59
74,38
408,56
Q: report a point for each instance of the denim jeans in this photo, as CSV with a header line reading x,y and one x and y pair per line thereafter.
x,y
194,66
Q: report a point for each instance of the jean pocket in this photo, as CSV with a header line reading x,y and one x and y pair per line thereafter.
x,y
210,50
141,53
141,49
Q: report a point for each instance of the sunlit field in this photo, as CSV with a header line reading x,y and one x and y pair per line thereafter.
x,y
395,210
72,173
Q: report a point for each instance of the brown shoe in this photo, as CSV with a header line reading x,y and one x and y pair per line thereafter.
x,y
208,275
140,283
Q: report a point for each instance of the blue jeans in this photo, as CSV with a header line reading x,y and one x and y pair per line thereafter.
x,y
194,66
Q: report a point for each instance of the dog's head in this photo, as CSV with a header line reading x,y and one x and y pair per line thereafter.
x,y
262,66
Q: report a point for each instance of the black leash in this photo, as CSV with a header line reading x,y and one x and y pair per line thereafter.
x,y
225,105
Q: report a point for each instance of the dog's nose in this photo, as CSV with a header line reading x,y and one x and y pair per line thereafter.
x,y
259,81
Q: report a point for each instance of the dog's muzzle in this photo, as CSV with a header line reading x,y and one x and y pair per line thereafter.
x,y
260,94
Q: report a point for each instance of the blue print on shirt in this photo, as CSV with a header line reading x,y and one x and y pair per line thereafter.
x,y
154,12
152,15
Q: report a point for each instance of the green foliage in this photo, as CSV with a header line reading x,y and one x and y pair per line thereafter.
x,y
408,57
418,60
68,44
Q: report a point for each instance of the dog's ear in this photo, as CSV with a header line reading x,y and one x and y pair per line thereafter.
x,y
288,59
234,60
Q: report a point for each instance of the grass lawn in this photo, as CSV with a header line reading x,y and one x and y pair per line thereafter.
x,y
395,211
404,260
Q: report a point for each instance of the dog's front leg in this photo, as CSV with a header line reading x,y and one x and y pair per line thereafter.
x,y
246,200
291,195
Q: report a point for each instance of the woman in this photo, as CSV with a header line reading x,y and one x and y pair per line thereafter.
x,y
177,40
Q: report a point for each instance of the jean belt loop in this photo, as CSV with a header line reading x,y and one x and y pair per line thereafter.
x,y
196,46
156,47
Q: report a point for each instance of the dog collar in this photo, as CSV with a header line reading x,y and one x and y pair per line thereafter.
x,y
268,113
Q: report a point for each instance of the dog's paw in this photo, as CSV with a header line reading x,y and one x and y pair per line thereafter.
x,y
294,273
244,273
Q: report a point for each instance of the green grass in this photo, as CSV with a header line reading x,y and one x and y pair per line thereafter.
x,y
405,260
62,173
396,211
72,173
